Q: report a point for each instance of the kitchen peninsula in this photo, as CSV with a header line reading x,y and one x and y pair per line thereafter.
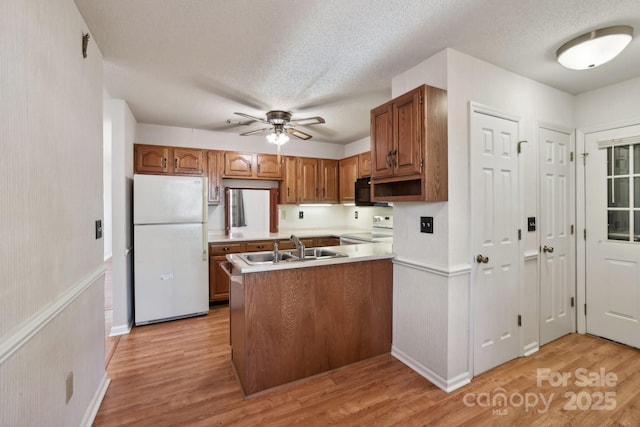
x,y
291,320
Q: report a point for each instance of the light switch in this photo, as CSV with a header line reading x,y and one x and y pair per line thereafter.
x,y
426,224
98,229
531,223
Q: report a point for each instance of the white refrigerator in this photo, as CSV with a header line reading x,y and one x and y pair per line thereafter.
x,y
170,248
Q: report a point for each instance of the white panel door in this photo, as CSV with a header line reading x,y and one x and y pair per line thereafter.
x,y
159,199
494,231
171,275
556,260
612,182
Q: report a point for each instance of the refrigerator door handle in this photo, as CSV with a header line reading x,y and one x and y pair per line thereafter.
x,y
205,244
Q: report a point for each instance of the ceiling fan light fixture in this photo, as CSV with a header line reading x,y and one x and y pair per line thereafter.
x,y
278,138
594,48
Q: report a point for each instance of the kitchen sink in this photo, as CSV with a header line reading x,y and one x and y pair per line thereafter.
x,y
267,257
320,253
258,258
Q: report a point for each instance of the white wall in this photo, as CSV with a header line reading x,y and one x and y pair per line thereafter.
x,y
51,264
608,106
107,223
123,129
424,259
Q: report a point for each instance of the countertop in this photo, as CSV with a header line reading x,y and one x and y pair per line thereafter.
x,y
356,253
216,237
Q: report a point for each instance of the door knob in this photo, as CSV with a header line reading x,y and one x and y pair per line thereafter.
x,y
547,249
482,259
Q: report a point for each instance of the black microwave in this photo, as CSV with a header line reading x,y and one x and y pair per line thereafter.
x,y
363,192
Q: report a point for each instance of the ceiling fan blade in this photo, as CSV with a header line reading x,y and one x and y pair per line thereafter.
x,y
239,123
253,132
308,121
298,134
255,119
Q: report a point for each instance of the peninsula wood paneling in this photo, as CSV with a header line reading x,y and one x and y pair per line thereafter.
x,y
304,321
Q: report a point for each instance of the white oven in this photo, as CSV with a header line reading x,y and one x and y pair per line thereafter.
x,y
381,231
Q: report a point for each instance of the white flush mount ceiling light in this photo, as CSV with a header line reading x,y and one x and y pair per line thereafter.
x,y
594,48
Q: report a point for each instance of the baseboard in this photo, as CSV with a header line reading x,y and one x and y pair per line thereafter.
x,y
531,348
447,385
120,330
96,401
37,322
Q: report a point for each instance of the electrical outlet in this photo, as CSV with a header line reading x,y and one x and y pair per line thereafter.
x,y
300,214
356,215
69,386
426,224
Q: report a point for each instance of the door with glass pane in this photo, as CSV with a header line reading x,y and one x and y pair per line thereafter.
x,y
612,183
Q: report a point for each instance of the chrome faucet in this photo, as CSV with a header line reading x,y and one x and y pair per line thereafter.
x,y
299,245
276,254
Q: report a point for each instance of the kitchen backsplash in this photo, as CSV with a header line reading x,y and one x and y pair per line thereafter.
x,y
334,216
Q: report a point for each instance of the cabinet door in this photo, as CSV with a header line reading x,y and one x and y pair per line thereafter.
x,y
348,174
407,133
329,181
238,165
268,166
381,141
151,159
364,164
188,161
218,279
289,186
214,175
307,180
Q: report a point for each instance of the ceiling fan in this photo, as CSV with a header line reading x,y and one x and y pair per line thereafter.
x,y
280,124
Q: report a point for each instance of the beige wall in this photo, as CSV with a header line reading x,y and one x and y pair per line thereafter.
x,y
51,265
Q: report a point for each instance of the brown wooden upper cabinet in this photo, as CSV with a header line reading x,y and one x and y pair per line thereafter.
x,y
309,180
251,166
409,147
289,185
155,159
364,164
348,175
214,174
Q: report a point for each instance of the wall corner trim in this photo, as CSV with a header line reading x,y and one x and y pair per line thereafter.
x,y
38,321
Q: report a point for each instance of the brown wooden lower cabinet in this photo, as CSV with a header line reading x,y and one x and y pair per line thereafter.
x,y
290,324
218,279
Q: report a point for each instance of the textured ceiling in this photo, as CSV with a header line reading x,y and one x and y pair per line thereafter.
x,y
193,63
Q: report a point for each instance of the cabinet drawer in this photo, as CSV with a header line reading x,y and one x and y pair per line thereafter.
x,y
228,248
260,246
327,241
286,244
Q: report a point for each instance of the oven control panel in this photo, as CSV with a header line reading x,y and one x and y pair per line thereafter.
x,y
380,221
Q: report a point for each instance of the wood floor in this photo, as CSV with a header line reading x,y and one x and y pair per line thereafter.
x,y
179,373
